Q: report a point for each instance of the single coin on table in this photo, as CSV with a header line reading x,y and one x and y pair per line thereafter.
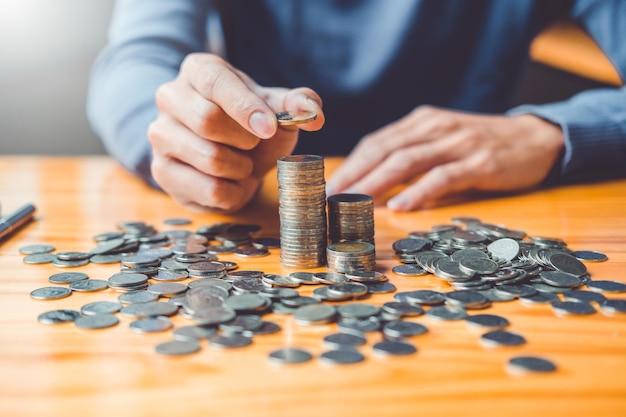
x,y
289,356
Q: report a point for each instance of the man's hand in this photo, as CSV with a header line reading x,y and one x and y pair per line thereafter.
x,y
453,152
216,134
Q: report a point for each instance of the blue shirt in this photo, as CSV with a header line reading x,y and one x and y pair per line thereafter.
x,y
371,61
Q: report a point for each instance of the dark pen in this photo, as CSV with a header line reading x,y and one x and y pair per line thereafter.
x,y
15,220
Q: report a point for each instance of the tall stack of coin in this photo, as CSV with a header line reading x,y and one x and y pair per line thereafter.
x,y
302,210
351,218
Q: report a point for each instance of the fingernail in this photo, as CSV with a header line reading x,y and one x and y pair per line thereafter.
x,y
312,102
398,203
263,125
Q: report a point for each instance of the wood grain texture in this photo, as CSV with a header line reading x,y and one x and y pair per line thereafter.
x,y
63,370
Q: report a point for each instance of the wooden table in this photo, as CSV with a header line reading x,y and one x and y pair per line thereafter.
x,y
66,371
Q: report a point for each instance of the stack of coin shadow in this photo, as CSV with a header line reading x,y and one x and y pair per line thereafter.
x,y
302,211
351,218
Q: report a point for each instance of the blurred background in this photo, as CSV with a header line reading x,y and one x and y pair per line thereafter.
x,y
47,48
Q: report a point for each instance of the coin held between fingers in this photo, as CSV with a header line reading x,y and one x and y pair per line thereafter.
x,y
286,118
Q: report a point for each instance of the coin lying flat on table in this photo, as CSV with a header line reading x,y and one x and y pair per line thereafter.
x,y
286,118
58,316
289,356
523,364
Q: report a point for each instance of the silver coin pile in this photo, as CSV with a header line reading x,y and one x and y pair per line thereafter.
x,y
302,211
351,256
500,263
351,218
483,263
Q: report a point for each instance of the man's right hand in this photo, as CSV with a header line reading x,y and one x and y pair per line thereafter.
x,y
216,134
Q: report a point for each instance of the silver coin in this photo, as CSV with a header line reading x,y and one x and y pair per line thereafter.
x,y
402,329
560,279
572,308
89,285
358,310
341,357
343,341
524,364
36,249
50,293
540,297
168,289
246,302
384,287
229,340
422,297
193,333
127,280
322,294
108,246
58,316
39,258
590,256
267,327
403,308
170,276
393,348
482,266
149,309
69,264
366,276
519,290
137,296
242,323
100,307
607,286
489,321
289,355
214,316
496,297
286,118
505,248
314,314
73,256
446,313
498,338
112,258
280,281
177,347
370,324
151,325
98,321
354,289
408,270
177,221
583,296
567,263
67,277
467,299
613,306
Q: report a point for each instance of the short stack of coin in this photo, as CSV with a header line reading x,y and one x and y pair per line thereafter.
x,y
351,256
302,211
351,218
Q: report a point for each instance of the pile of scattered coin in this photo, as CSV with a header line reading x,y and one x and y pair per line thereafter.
x,y
178,272
302,211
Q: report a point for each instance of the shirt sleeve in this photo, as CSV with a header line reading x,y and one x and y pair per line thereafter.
x,y
146,44
594,121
